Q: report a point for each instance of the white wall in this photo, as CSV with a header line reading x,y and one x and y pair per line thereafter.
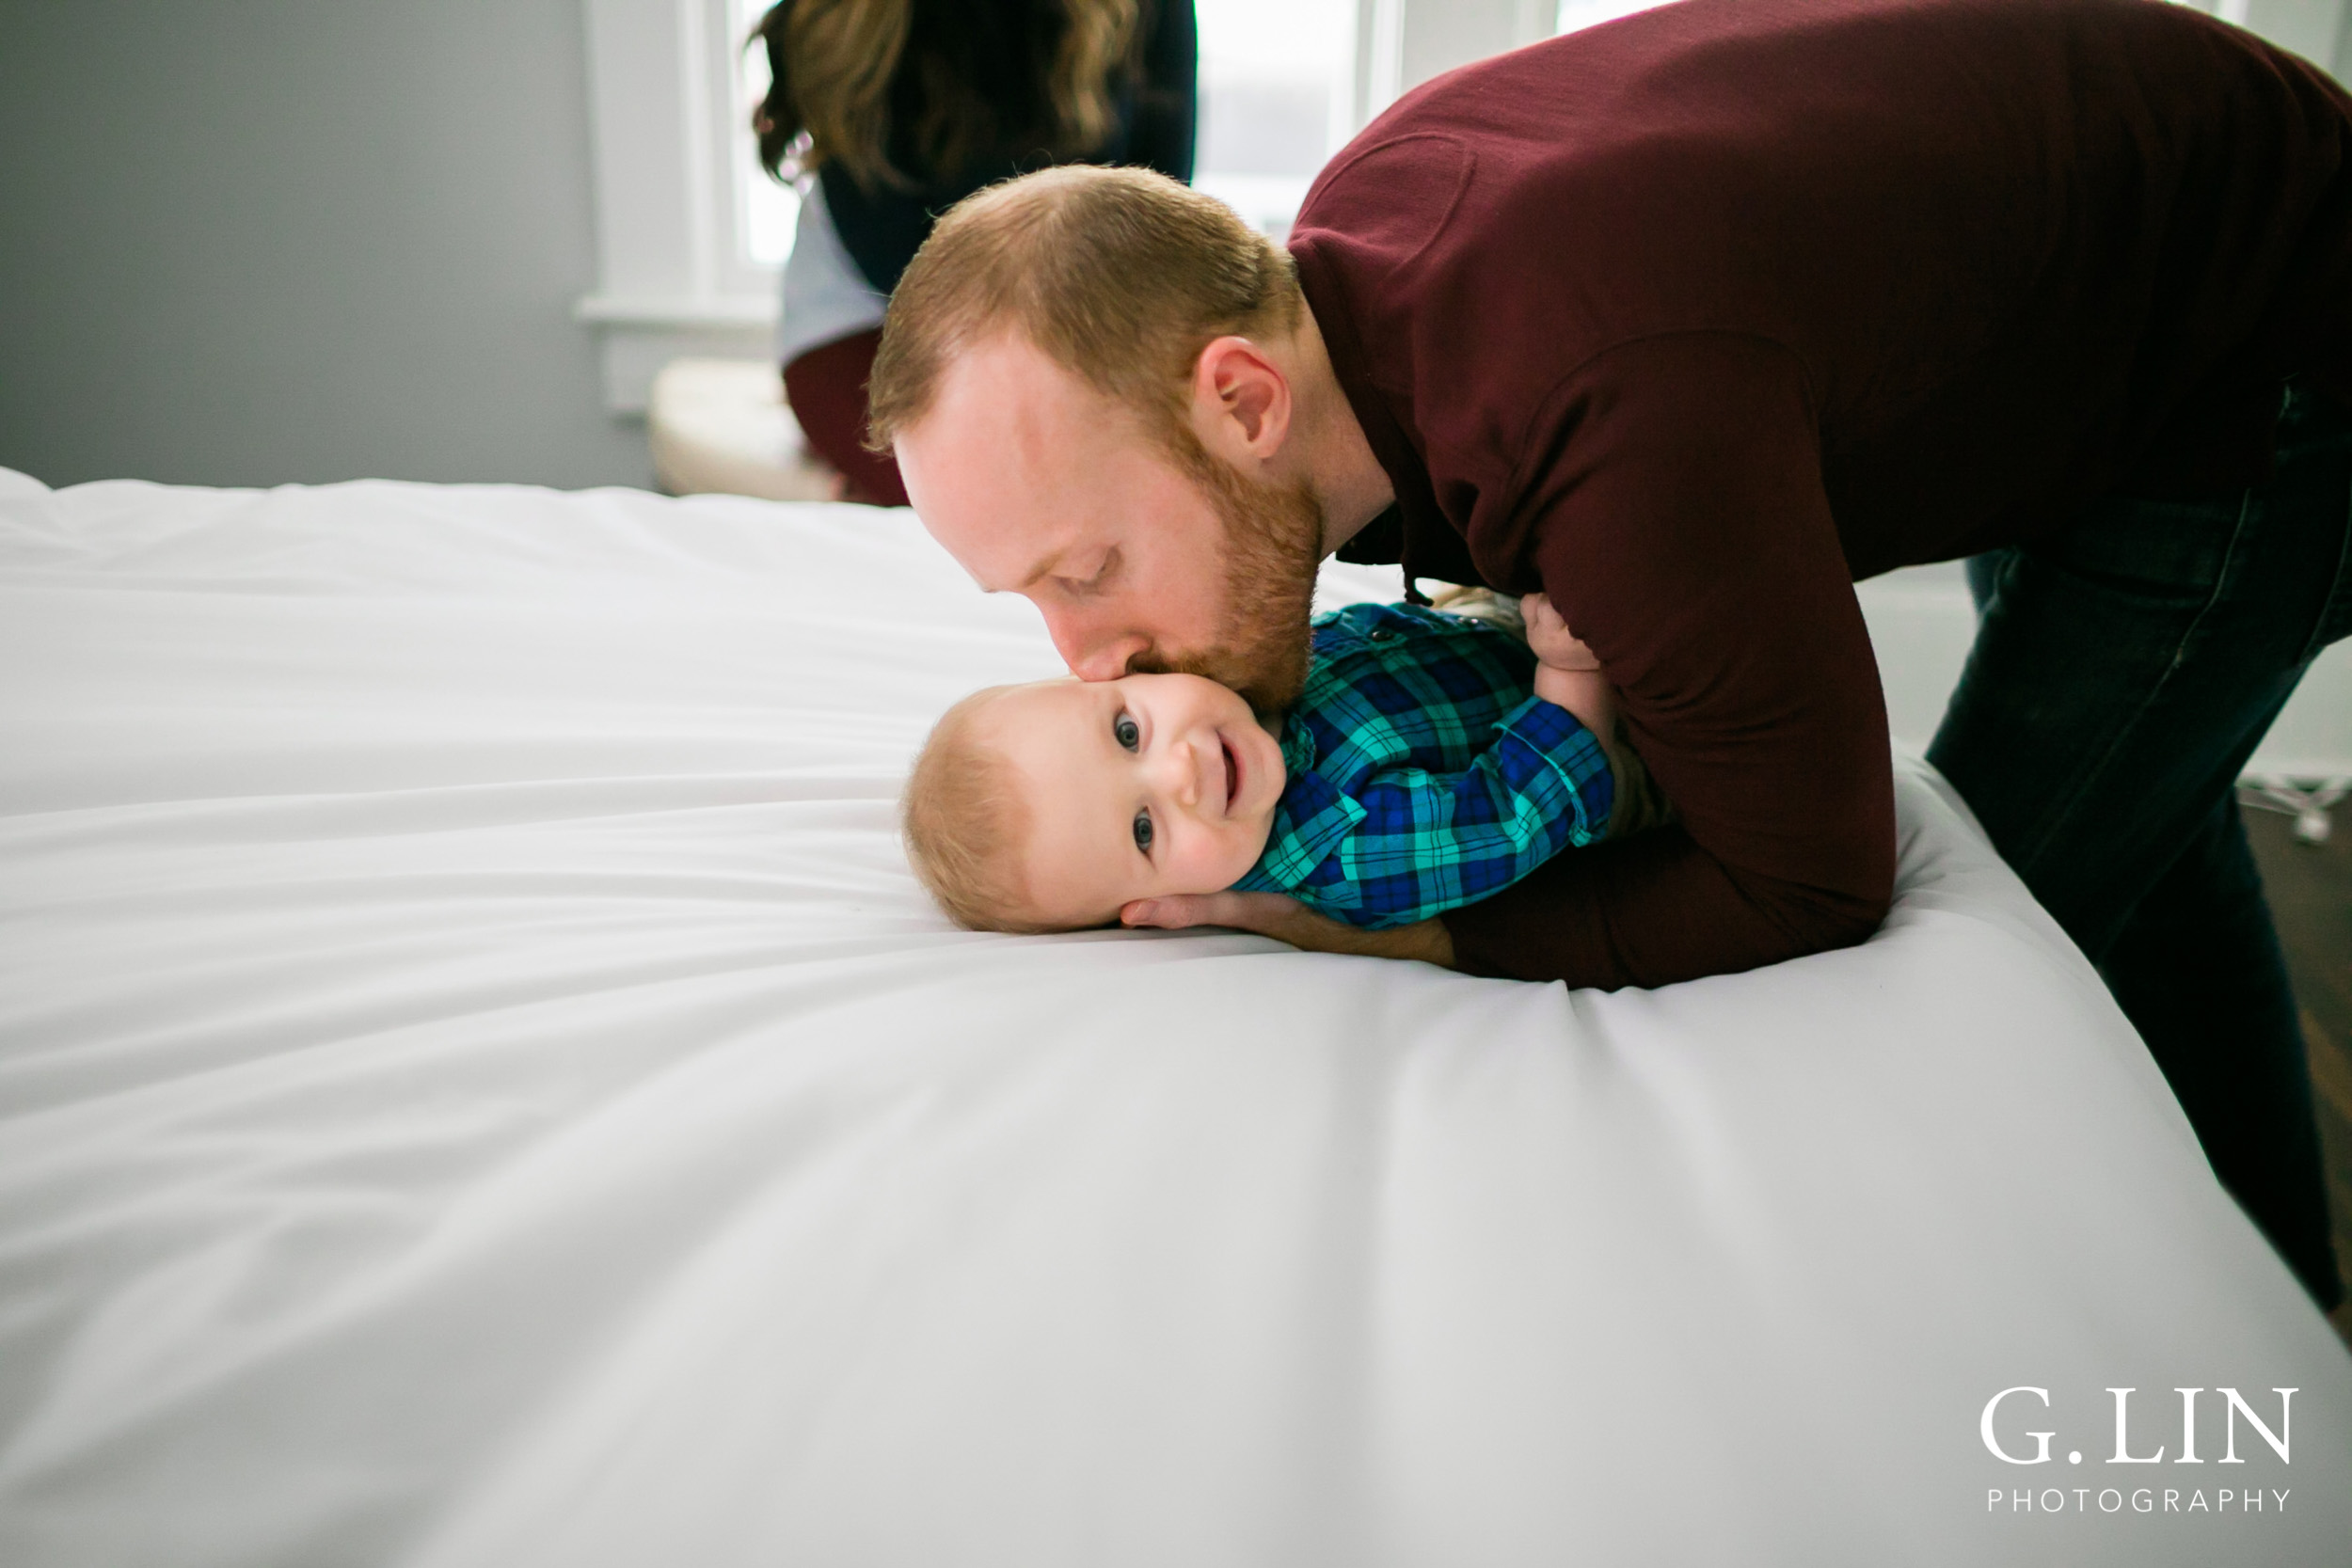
x,y
1922,623
244,242
2312,28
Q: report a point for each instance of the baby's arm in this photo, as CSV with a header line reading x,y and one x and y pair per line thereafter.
x,y
1566,673
1430,842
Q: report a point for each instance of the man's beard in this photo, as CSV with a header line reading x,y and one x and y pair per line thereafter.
x,y
1272,541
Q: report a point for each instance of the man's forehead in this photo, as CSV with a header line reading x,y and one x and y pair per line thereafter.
x,y
1011,457
1008,398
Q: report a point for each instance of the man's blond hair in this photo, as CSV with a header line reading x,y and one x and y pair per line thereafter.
x,y
1121,275
965,821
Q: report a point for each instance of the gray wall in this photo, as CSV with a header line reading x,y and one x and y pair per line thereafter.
x,y
246,242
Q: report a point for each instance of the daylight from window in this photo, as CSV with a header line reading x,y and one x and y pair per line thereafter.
x,y
1273,100
1574,14
765,210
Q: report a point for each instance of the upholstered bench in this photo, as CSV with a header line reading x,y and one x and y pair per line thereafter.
x,y
720,426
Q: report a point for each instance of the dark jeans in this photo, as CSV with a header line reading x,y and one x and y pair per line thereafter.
x,y
2125,669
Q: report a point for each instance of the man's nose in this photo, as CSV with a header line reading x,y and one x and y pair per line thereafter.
x,y
1094,654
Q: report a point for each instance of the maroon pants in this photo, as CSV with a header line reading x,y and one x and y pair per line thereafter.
x,y
826,387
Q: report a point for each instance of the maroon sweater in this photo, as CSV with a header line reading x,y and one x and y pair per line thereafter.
x,y
1693,319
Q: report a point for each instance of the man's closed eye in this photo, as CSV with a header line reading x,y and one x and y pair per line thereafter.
x,y
1080,587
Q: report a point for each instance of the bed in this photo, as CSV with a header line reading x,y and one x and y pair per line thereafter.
x,y
478,1085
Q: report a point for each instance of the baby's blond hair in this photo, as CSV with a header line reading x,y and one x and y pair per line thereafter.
x,y
965,821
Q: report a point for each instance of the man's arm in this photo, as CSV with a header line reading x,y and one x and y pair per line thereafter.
x,y
1285,919
1671,504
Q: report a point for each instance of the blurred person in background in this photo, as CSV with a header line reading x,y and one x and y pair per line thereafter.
x,y
892,111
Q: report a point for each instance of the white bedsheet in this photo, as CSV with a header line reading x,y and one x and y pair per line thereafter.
x,y
478,1085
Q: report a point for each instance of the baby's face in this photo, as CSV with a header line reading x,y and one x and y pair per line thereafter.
x,y
1144,785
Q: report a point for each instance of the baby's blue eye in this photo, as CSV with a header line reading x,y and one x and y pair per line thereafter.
x,y
1124,730
1143,832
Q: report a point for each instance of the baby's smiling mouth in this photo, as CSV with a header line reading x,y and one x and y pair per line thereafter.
x,y
1233,771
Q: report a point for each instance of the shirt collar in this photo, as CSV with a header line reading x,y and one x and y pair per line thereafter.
x,y
1415,531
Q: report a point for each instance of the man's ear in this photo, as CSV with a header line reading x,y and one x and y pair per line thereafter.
x,y
1241,403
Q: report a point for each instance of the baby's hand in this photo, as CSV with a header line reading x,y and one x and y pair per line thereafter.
x,y
1566,674
1549,636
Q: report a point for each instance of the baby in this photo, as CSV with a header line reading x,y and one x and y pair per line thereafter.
x,y
1432,760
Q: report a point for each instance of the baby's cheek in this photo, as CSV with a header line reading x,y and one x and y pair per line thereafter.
x,y
1198,869
1249,843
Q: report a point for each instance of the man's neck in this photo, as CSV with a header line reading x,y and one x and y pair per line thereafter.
x,y
1334,458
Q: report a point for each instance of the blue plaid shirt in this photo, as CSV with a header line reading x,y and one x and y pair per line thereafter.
x,y
1425,774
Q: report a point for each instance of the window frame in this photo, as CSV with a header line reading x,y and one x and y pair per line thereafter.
x,y
671,280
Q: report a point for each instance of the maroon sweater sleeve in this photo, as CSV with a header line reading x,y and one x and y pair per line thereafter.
x,y
1685,535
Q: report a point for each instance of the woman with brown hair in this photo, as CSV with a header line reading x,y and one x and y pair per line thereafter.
x,y
897,110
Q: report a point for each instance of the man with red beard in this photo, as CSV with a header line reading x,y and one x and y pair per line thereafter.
x,y
1690,320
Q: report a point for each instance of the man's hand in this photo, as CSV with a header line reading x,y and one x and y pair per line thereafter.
x,y
1550,638
1270,914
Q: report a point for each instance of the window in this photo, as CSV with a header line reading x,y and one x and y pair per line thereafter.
x,y
1574,14
765,209
1276,101
672,174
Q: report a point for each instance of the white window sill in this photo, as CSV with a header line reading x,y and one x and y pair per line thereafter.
x,y
695,312
638,334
